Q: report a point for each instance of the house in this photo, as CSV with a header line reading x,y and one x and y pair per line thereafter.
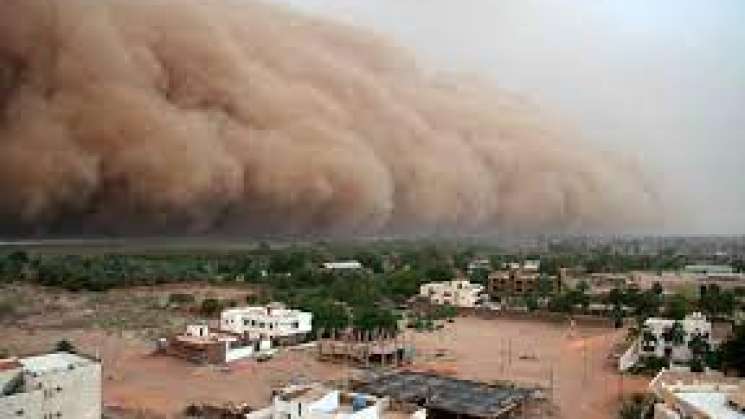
x,y
273,322
667,338
659,336
200,344
56,385
458,293
697,396
316,401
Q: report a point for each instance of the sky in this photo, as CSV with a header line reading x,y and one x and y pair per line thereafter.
x,y
662,81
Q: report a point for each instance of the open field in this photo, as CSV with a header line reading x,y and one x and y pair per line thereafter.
x,y
120,326
585,383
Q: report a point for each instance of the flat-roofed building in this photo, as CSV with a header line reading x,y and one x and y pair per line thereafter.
x,y
272,322
658,336
57,385
686,395
316,401
347,265
518,280
457,293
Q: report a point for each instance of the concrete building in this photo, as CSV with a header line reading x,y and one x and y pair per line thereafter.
x,y
457,293
200,344
273,322
518,280
685,395
57,385
316,401
349,265
657,336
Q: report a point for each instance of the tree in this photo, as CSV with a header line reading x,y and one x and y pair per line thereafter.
x,y
636,407
677,307
733,352
676,334
545,286
64,345
438,272
657,288
210,307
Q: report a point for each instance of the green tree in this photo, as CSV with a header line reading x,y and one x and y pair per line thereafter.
x,y
64,345
677,307
733,352
210,307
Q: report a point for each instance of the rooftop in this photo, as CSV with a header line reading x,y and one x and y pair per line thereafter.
x,y
447,394
54,362
713,404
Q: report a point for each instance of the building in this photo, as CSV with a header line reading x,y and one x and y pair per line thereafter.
x,y
349,265
57,385
518,280
200,344
708,269
658,336
316,401
457,293
366,348
685,395
451,398
478,265
273,322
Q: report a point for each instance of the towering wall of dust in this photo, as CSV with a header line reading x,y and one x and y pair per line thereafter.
x,y
191,116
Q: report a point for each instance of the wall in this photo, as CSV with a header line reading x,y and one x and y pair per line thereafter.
x,y
238,353
630,357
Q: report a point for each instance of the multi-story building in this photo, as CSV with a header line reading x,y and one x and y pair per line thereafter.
x,y
457,293
518,280
57,385
273,322
658,336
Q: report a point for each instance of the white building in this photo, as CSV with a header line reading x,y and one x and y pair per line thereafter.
x,y
697,396
458,293
58,385
349,265
663,343
273,322
319,402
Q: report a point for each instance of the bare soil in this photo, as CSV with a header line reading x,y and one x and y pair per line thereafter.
x,y
120,326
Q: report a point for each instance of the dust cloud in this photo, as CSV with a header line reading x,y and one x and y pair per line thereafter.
x,y
239,117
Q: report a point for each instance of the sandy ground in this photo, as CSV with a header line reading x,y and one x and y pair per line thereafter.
x,y
585,383
573,362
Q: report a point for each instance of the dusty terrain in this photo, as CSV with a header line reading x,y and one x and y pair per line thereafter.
x,y
585,384
120,326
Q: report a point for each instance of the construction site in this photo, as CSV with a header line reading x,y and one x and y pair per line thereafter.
x,y
364,350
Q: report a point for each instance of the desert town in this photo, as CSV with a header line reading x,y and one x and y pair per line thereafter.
x,y
458,349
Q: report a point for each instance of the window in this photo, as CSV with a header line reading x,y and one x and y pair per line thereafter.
x,y
295,325
245,322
